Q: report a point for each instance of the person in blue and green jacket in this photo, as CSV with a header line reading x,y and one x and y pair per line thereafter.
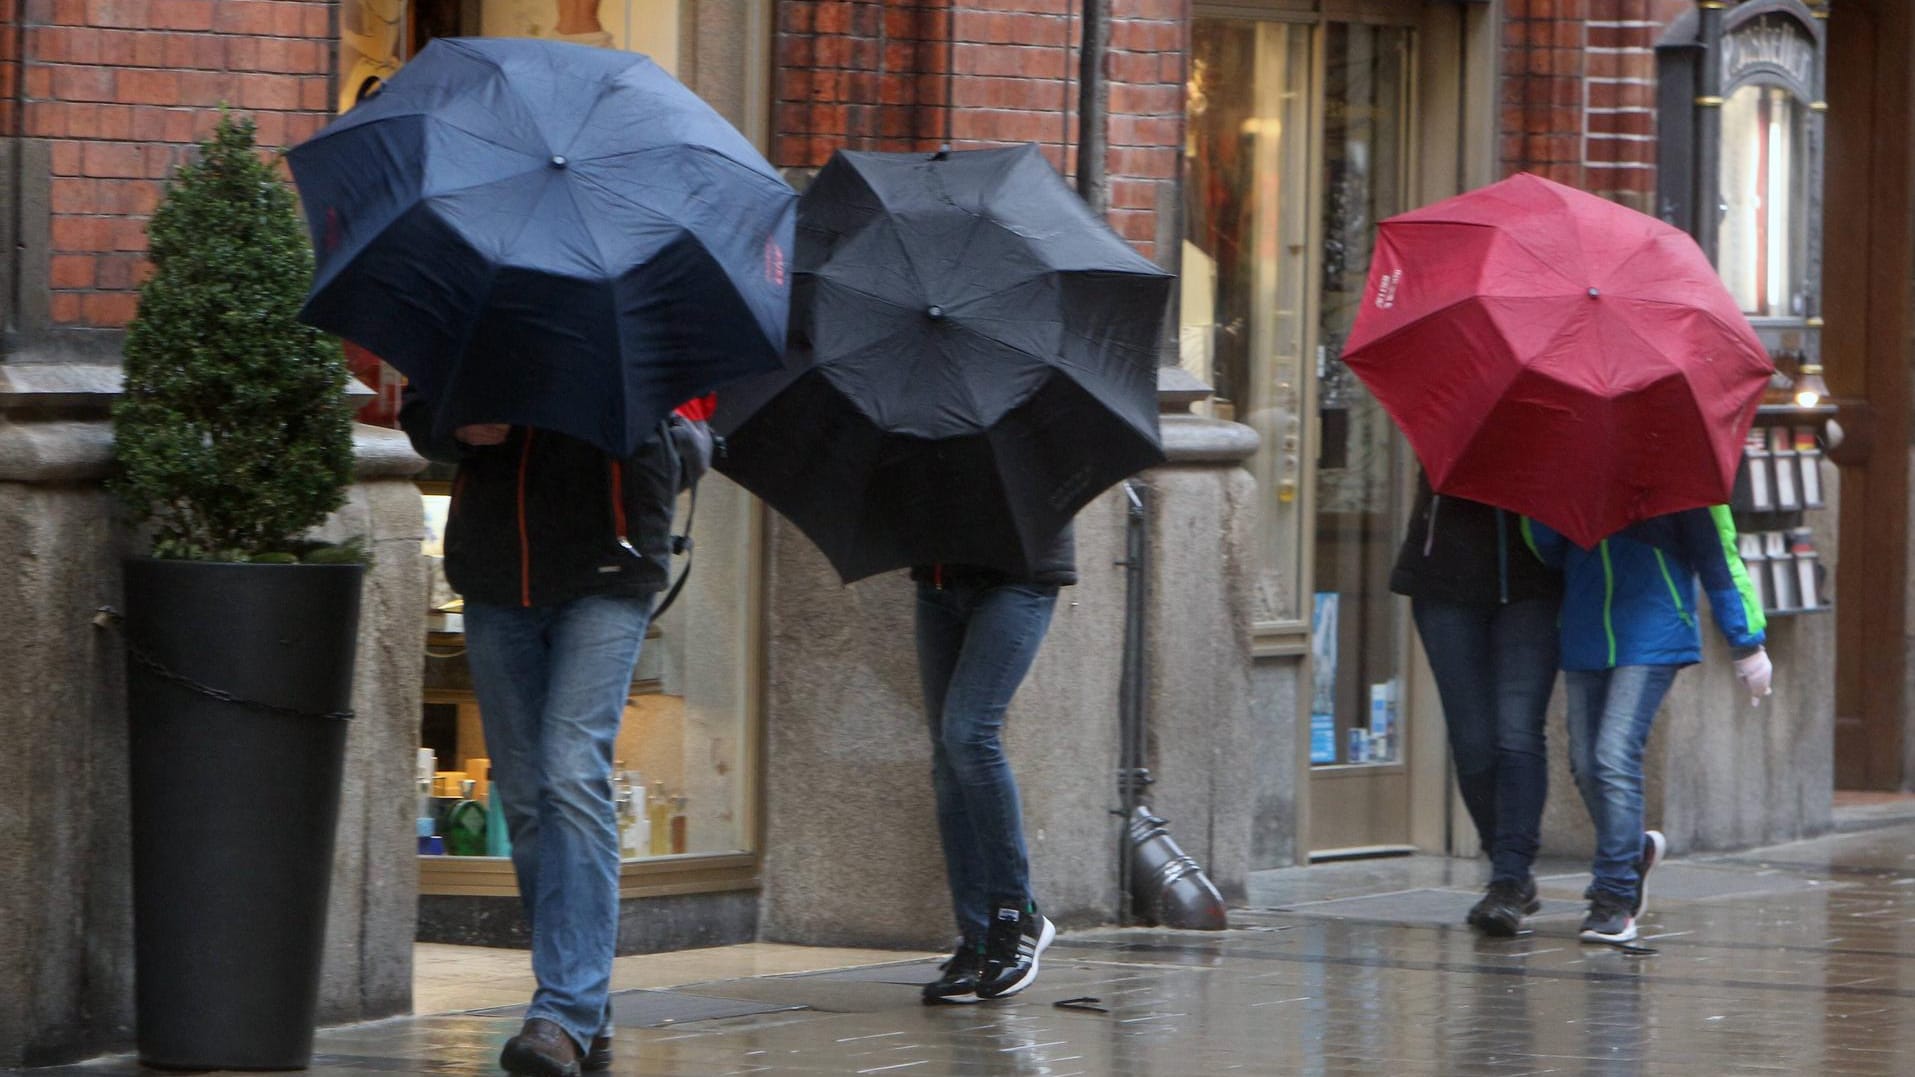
x,y
1629,623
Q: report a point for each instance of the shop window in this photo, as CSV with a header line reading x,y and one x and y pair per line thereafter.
x,y
1764,201
1245,312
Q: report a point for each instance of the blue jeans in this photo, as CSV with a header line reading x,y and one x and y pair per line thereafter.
x,y
1610,712
975,644
552,683
1494,667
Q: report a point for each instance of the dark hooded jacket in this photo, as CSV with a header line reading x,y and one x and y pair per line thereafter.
x,y
545,518
1470,553
1055,565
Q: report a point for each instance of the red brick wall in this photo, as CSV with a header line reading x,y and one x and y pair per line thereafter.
x,y
860,75
119,88
1579,93
1543,88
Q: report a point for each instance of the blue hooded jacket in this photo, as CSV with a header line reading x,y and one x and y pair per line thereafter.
x,y
1631,600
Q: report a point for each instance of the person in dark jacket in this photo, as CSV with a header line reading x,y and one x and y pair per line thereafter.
x,y
1485,608
1629,625
978,631
559,551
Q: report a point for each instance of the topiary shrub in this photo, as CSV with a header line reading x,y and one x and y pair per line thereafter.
x,y
234,436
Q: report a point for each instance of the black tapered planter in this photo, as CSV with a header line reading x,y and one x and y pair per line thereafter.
x,y
239,684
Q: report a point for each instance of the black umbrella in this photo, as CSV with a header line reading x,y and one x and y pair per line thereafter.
x,y
548,235
975,361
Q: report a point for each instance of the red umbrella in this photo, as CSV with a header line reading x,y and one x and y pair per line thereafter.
x,y
1558,355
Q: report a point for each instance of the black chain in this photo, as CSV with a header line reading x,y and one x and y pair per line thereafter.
x,y
160,670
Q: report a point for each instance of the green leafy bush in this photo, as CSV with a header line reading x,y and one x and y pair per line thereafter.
x,y
233,434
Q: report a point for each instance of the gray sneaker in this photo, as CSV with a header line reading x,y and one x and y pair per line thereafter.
x,y
1609,919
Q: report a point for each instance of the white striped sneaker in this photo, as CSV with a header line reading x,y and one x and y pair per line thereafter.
x,y
1017,939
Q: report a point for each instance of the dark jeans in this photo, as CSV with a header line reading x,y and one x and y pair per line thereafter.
x,y
1495,666
975,644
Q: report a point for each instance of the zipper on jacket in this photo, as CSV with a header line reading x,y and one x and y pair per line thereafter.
x,y
1502,558
1674,595
525,538
618,505
1608,598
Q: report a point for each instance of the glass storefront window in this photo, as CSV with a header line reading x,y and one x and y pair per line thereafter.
x,y
1275,265
1245,319
1360,459
1764,232
686,751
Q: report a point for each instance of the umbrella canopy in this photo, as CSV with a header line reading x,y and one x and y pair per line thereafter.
x,y
547,235
1559,355
976,360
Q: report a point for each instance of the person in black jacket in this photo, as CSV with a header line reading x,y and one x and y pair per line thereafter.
x,y
559,551
978,631
1486,609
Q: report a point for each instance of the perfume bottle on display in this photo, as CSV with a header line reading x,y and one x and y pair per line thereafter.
x,y
678,843
658,811
465,823
631,839
498,837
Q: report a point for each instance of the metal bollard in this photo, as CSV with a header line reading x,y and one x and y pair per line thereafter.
x,y
1167,886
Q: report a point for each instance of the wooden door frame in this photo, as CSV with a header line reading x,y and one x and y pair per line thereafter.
x,y
1869,229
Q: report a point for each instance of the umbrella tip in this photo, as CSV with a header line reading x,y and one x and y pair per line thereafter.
x,y
558,160
1593,293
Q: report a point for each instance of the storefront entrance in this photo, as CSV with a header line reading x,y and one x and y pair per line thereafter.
x,y
1303,133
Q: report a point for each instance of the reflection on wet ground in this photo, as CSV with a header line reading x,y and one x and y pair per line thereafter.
x,y
1793,960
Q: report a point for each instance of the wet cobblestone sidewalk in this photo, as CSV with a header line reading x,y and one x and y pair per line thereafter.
x,y
1795,960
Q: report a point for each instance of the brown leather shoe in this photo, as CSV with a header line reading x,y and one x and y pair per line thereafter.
x,y
541,1049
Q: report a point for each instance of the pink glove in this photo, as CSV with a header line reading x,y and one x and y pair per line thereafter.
x,y
1754,673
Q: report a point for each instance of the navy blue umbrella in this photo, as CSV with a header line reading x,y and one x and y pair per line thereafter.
x,y
547,235
975,359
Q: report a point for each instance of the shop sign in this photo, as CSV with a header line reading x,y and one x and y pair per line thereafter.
x,y
1772,45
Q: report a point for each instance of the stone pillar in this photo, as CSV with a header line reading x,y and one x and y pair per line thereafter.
x,y
851,842
66,940
1198,638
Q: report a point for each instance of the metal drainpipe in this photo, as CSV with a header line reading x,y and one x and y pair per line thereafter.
x,y
17,182
1158,882
1093,107
1708,190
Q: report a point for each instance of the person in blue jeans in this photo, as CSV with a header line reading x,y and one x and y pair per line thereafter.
x,y
1629,625
560,551
1485,608
978,631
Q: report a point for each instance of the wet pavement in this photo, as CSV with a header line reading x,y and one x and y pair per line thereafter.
x,y
1798,959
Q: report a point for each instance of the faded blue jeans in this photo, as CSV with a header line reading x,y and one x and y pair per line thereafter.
x,y
975,644
552,683
1495,666
1610,712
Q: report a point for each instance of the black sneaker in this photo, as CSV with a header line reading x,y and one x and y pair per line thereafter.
x,y
1011,950
1501,911
1653,846
959,982
1609,919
